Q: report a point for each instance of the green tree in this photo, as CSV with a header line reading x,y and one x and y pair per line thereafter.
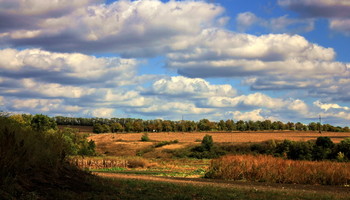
x,y
241,125
300,151
313,126
324,142
266,125
167,126
116,127
222,126
204,125
230,125
138,126
129,127
207,142
43,123
100,128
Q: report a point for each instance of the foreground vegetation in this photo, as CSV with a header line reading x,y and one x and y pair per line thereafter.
x,y
36,163
33,157
276,170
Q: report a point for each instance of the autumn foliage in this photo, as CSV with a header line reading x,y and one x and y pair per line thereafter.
x,y
264,168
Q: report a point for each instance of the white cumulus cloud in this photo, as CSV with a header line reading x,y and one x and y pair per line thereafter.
x,y
196,87
254,115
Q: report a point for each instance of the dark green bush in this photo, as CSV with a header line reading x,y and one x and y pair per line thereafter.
x,y
344,147
267,147
42,123
283,148
101,128
324,142
145,138
77,143
300,151
207,142
163,143
207,149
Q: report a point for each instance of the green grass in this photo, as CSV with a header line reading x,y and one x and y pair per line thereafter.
x,y
168,168
159,172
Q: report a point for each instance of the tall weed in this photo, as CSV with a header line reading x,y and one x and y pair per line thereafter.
x,y
264,168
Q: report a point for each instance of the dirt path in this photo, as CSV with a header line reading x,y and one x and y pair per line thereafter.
x,y
333,190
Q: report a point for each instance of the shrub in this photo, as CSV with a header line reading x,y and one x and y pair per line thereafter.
x,y
267,147
101,128
207,142
77,143
206,149
300,151
283,148
344,147
163,143
324,142
145,137
137,163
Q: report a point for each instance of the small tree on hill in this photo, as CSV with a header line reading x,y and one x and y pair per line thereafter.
x,y
207,142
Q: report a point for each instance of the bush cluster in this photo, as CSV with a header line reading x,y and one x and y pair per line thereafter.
x,y
163,143
33,149
321,149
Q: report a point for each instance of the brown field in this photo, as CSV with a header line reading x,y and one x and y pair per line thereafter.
x,y
122,144
236,137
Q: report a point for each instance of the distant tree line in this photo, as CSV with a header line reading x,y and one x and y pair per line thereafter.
x,y
104,125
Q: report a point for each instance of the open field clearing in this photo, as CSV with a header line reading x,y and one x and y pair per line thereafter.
x,y
237,137
186,175
128,144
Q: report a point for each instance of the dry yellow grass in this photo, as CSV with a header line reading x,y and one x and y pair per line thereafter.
x,y
128,144
225,136
265,168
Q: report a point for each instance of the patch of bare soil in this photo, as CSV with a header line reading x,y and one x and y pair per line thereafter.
x,y
334,190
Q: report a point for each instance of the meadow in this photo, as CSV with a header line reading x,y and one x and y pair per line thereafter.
x,y
160,166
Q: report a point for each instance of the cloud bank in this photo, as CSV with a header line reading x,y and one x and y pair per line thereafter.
x,y
92,67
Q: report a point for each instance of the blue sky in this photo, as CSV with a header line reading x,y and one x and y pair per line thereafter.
x,y
282,60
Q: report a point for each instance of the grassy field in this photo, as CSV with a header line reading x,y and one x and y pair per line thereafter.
x,y
130,188
34,166
236,137
142,170
130,144
190,168
141,189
